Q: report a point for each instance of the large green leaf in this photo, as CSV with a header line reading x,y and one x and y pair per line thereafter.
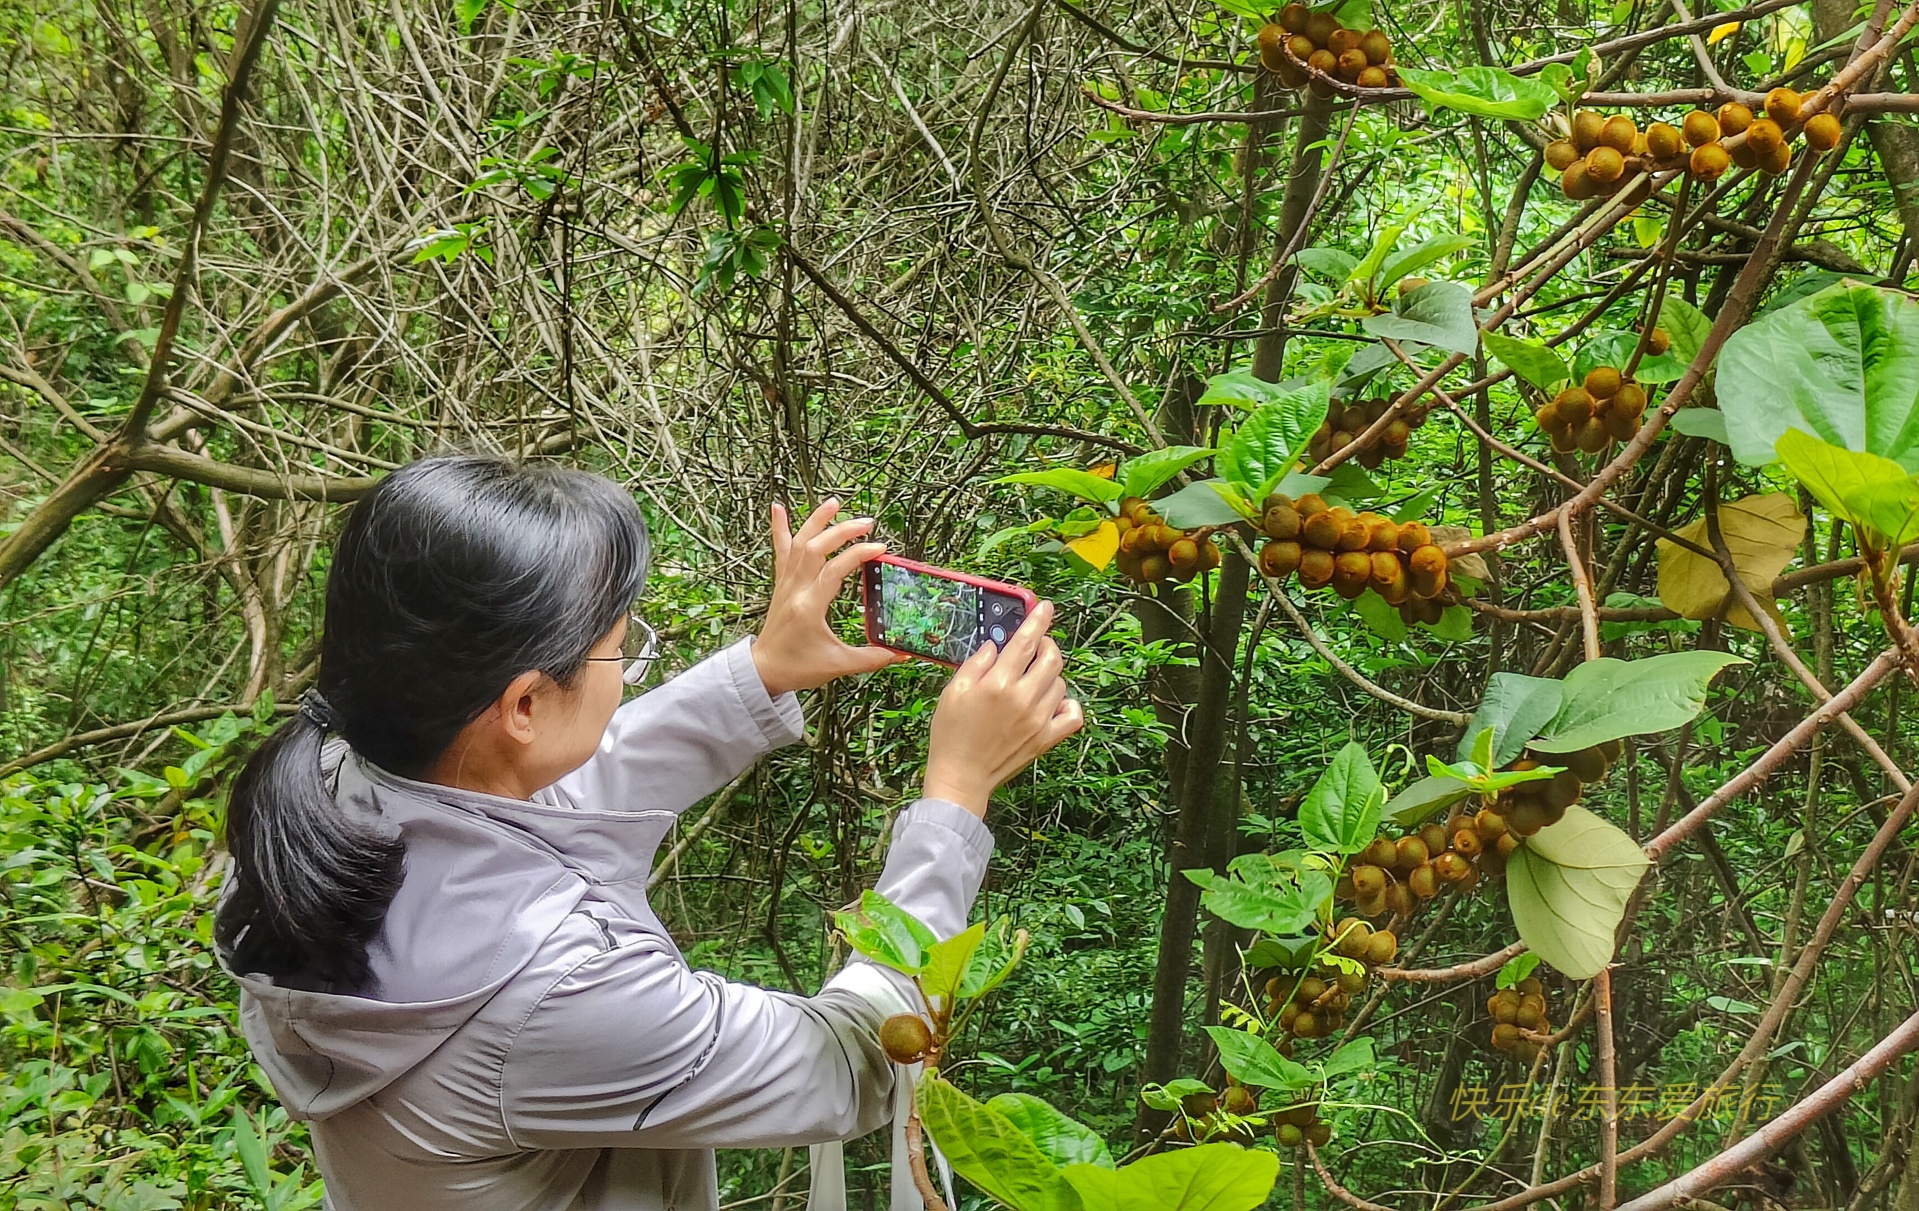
x,y
1331,264
997,954
1530,360
1516,707
989,1150
1615,348
1206,503
1340,814
1263,448
1568,887
1485,91
1686,325
1284,909
1256,1062
1138,476
1210,1177
1064,1140
946,963
1422,254
1873,493
1439,314
1842,364
1424,799
886,933
1607,699
1070,480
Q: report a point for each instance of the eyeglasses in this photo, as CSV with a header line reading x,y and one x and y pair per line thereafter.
x,y
638,650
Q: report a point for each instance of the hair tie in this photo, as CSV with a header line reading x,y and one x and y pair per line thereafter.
x,y
318,711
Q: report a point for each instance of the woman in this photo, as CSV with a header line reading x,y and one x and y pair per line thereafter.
x,y
439,920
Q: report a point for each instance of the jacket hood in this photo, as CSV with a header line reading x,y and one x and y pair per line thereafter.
x,y
487,881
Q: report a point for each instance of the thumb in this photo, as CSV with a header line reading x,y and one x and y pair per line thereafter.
x,y
871,659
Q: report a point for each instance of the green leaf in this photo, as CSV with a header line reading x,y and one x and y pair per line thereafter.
x,y
1329,263
1615,348
1256,1062
1209,1177
1368,268
1070,480
989,1150
1702,422
999,952
1063,1140
1607,699
1422,254
1381,619
1842,364
947,962
1140,475
1686,325
253,1155
1516,969
1356,1056
1266,444
465,11
1485,91
886,934
1340,814
1210,502
1530,360
1873,493
1238,388
1516,708
1568,886
1169,1095
1439,314
1424,799
1283,910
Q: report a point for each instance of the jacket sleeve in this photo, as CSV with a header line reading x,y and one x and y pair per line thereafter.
x,y
674,745
630,1048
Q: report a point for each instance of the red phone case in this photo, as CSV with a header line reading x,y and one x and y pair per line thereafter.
x,y
1026,597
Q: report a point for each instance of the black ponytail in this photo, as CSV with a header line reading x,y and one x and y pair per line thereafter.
x,y
454,576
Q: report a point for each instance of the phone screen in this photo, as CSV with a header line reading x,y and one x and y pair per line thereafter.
x,y
927,615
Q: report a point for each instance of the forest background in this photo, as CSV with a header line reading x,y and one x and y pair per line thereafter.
x,y
731,252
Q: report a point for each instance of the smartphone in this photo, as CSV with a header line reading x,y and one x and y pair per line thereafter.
x,y
936,613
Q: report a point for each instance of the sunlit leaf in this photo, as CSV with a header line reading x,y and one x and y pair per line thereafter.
x,y
1210,1177
1488,92
1762,535
1098,547
1568,886
1608,699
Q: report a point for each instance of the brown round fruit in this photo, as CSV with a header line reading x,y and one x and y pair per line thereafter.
x,y
1782,106
1184,556
1631,400
1378,48
1466,841
1700,128
1561,154
1451,867
1381,853
1591,436
1822,132
1410,854
1343,40
1352,571
1323,61
1527,817
1383,947
1563,790
1605,165
1619,133
1386,569
1315,568
1307,1025
1321,27
1413,535
1281,521
1658,341
1577,183
1352,61
1734,118
1424,881
1586,764
1155,568
1279,559
1709,162
1664,141
1321,530
1775,161
1586,128
1310,504
1373,77
1272,47
1505,1035
1572,406
1764,135
1435,838
1602,382
1300,47
1290,1136
905,1038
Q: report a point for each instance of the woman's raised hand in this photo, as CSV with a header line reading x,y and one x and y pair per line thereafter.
x,y
1002,709
796,649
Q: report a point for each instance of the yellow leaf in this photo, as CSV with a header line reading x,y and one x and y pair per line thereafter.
x,y
1721,32
1098,547
1762,534
1103,470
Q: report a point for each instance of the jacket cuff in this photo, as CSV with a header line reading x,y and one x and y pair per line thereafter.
x,y
780,720
976,840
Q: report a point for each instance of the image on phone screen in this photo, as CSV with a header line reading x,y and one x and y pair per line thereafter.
x,y
929,615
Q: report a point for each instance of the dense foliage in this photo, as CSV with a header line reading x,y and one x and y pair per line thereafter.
x,y
1139,305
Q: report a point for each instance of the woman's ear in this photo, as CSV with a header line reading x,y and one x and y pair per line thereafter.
x,y
517,705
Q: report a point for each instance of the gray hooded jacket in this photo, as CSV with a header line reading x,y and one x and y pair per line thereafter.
x,y
534,1040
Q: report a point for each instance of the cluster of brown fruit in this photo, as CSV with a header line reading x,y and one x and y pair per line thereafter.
x,y
1602,149
1605,408
1342,425
1393,876
1300,1125
1304,42
1525,809
1313,1004
1519,1014
1331,545
1201,1118
1150,551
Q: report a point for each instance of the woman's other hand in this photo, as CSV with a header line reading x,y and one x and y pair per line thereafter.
x,y
1002,709
796,649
